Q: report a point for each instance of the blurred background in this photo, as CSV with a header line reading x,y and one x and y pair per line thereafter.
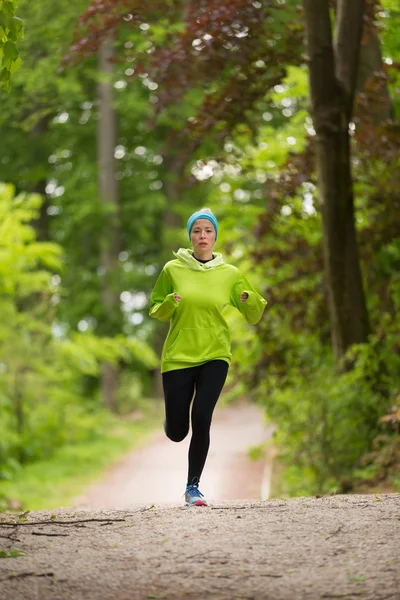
x,y
117,121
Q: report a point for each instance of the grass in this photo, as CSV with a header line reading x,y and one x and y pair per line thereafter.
x,y
55,482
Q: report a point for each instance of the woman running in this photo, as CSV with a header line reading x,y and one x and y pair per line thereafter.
x,y
191,292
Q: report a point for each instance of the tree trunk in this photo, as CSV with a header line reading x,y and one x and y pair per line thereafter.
x,y
42,223
172,221
371,68
109,201
39,157
371,71
333,75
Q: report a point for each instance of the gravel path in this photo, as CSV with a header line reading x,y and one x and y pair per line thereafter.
x,y
331,547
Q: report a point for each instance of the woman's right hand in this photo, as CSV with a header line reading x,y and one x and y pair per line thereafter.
x,y
177,298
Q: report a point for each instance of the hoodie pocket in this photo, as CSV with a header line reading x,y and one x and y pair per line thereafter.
x,y
197,344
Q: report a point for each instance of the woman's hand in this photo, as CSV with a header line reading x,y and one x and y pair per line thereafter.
x,y
243,297
177,298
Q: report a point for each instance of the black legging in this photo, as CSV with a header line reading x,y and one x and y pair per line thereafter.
x,y
179,386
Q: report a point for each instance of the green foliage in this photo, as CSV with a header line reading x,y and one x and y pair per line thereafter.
x,y
13,553
44,370
382,463
25,262
326,424
11,30
98,441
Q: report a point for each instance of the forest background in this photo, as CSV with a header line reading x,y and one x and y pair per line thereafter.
x,y
116,123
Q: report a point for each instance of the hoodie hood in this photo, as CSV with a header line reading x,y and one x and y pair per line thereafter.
x,y
186,256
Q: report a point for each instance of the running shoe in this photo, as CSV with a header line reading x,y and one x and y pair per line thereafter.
x,y
193,496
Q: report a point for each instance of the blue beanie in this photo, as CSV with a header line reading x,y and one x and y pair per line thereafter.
x,y
202,214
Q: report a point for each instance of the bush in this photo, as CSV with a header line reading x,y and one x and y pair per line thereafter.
x,y
326,424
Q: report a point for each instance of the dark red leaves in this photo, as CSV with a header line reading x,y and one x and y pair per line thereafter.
x,y
232,51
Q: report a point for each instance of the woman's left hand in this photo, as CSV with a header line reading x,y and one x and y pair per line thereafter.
x,y
243,297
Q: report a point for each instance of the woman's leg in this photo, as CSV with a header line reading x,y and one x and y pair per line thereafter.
x,y
178,388
209,383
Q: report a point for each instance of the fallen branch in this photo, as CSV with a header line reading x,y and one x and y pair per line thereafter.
x,y
173,572
341,595
50,534
9,537
141,510
338,530
55,522
229,507
27,574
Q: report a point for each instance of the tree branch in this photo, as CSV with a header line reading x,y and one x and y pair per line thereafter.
x,y
350,20
321,58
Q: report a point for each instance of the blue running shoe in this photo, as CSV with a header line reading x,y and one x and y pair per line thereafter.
x,y
193,496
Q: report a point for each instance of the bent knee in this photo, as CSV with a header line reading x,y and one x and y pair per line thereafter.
x,y
176,435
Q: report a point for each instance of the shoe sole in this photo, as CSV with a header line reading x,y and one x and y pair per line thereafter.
x,y
198,503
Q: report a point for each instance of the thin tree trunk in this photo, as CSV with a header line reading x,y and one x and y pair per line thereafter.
x,y
333,79
19,410
371,70
172,221
109,200
42,223
38,158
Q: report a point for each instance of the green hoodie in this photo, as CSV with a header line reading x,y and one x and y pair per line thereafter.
x,y
198,331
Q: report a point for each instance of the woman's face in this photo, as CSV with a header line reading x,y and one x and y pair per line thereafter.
x,y
202,235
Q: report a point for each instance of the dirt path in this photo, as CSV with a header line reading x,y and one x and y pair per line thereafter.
x,y
303,549
156,473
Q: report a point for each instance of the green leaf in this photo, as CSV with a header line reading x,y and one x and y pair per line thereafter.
x,y
16,27
8,8
5,74
6,63
16,65
10,51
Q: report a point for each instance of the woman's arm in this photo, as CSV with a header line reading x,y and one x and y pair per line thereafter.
x,y
253,306
163,303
